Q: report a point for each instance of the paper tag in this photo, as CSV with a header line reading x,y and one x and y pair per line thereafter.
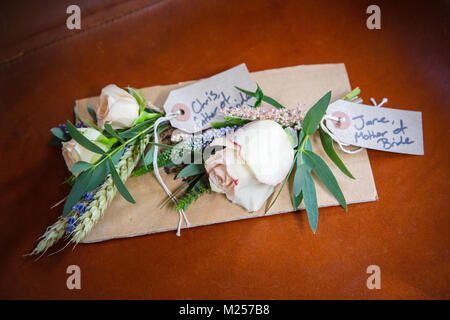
x,y
201,101
380,128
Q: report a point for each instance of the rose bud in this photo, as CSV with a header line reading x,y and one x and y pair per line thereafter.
x,y
117,108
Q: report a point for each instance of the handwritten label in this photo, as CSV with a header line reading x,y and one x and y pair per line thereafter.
x,y
381,128
200,102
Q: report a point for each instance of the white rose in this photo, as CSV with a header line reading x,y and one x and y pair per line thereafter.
x,y
117,108
256,158
73,152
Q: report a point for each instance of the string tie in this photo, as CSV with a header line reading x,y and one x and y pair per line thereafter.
x,y
160,120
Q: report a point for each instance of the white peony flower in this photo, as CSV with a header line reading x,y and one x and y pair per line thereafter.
x,y
73,152
117,108
256,158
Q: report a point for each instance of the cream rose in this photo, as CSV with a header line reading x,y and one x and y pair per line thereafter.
x,y
73,152
117,108
256,158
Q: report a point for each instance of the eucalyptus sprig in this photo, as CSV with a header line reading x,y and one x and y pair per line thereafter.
x,y
89,176
306,161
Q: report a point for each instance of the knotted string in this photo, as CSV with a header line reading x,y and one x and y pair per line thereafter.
x,y
167,117
380,104
341,144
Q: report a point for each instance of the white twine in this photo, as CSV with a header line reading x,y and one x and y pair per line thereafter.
x,y
380,104
156,169
341,144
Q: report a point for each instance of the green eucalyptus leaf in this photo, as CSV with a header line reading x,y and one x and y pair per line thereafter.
x,y
117,155
84,120
113,133
249,93
59,133
297,199
272,102
80,187
80,166
136,129
315,114
258,94
327,143
191,170
229,123
99,174
92,112
299,177
324,173
310,199
161,145
148,158
85,142
119,183
305,144
259,97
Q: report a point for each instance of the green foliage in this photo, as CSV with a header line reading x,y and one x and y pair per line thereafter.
x,y
315,114
113,133
310,199
90,176
119,183
199,187
148,158
77,191
134,130
80,166
259,95
229,122
84,120
82,140
324,173
327,144
191,170
146,116
307,161
60,134
164,160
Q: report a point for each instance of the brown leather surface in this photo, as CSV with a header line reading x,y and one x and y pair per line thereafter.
x,y
406,232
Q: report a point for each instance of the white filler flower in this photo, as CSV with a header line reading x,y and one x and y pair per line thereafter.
x,y
256,158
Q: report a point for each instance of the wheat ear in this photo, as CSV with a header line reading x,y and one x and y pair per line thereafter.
x,y
51,236
106,192
102,197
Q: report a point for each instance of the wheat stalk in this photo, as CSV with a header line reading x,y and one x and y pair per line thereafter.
x,y
102,197
105,194
51,236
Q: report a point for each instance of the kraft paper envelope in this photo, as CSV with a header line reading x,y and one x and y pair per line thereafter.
x,y
291,86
